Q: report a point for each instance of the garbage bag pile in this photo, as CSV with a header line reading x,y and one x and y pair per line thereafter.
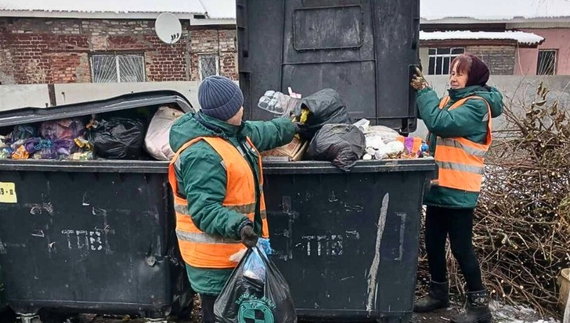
x,y
59,139
385,143
331,135
102,137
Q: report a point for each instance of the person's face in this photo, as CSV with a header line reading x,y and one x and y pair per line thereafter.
x,y
237,119
457,80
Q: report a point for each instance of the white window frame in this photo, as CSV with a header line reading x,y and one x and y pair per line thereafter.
x,y
555,63
449,55
117,56
216,57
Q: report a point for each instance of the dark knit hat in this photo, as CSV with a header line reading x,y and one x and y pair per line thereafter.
x,y
479,73
220,97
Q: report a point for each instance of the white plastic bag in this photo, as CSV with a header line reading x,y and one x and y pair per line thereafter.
x,y
386,134
279,103
157,137
391,149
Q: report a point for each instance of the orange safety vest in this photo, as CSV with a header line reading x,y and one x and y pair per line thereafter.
x,y
203,250
461,162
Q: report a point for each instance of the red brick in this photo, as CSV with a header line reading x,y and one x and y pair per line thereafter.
x,y
57,50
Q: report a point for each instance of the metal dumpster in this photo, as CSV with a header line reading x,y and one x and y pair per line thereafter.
x,y
90,236
364,49
347,243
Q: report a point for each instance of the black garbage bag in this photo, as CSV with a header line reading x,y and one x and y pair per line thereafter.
x,y
341,144
23,132
255,292
325,107
117,138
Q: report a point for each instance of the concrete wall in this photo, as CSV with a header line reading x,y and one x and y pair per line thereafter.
x,y
74,93
557,39
37,95
516,90
17,96
526,61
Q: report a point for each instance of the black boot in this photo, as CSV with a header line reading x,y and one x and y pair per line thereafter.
x,y
477,309
438,297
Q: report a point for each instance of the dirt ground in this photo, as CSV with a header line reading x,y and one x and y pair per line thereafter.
x,y
502,314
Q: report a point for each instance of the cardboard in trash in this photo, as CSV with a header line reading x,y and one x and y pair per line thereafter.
x,y
293,151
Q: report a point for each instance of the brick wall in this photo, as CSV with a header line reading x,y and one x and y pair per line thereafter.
x,y
222,43
500,59
59,50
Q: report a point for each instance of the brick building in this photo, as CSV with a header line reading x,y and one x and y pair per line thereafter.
x,y
103,41
521,37
70,45
498,49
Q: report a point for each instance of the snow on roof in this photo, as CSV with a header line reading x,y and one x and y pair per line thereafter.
x,y
452,11
494,9
113,6
519,36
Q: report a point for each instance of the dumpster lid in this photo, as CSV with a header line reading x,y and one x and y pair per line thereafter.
x,y
118,103
365,50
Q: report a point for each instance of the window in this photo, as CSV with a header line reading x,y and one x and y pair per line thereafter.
x,y
546,64
117,68
440,59
208,65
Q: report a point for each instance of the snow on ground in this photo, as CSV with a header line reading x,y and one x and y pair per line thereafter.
x,y
502,313
517,314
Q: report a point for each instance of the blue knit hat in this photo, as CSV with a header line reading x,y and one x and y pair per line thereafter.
x,y
220,97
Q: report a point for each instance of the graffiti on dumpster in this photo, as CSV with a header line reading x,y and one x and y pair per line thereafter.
x,y
86,240
327,245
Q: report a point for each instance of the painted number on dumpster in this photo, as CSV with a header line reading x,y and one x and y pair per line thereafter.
x,y
325,245
8,193
82,239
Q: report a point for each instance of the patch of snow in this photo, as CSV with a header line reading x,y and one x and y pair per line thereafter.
x,y
503,313
519,36
493,9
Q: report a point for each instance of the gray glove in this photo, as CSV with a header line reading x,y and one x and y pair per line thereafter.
x,y
248,237
418,80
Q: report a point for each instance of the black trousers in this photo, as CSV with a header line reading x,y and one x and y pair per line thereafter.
x,y
458,224
208,308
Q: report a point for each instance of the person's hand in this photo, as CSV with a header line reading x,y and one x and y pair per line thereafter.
x,y
418,80
248,237
300,128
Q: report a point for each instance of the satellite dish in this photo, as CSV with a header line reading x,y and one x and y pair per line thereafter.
x,y
168,28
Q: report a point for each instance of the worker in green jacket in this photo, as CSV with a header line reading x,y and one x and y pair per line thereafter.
x,y
459,137
202,178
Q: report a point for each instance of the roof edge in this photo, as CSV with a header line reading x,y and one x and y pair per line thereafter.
x,y
92,15
471,20
116,15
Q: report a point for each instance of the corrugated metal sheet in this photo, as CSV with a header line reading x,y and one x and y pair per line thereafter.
x,y
540,25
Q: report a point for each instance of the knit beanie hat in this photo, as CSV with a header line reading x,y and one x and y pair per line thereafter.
x,y
479,74
220,97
